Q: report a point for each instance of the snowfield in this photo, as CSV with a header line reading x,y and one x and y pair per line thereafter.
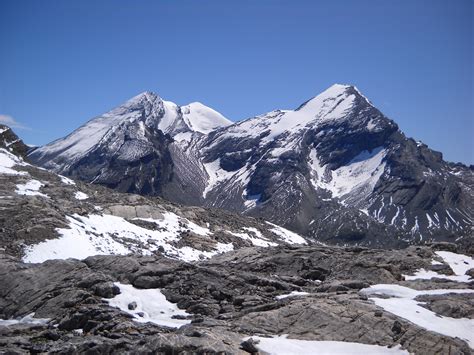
x,y
359,175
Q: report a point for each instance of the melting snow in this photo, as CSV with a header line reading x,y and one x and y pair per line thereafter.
x,y
281,345
292,294
251,201
66,180
359,175
459,263
25,320
256,238
8,161
31,188
286,235
152,306
106,234
401,302
216,175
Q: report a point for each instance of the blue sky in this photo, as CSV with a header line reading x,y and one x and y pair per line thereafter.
x,y
64,62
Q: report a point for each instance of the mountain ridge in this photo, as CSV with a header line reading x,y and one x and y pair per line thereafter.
x,y
334,155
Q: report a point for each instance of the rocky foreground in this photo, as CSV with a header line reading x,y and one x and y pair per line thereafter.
x,y
312,293
84,269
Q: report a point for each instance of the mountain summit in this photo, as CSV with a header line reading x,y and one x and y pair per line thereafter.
x,y
335,169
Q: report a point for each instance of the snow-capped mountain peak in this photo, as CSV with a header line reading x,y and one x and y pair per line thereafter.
x,y
136,119
203,119
333,103
145,95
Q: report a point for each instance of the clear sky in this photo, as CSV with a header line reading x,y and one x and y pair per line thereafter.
x,y
64,62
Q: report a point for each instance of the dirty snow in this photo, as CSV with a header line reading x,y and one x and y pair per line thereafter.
x,y
151,303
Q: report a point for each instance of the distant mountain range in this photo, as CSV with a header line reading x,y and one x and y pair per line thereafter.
x,y
335,169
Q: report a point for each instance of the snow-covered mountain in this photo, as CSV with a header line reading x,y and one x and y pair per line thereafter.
x,y
334,169
338,170
130,122
127,148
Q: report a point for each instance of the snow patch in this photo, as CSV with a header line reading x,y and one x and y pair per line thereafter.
x,y
281,345
8,161
30,188
402,303
292,294
66,180
29,319
360,175
81,196
107,234
286,235
459,263
256,238
152,306
216,175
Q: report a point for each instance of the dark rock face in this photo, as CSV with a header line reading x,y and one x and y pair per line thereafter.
x,y
10,141
231,297
149,173
351,179
335,170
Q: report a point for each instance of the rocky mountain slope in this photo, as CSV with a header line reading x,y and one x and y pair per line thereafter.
x,y
85,269
45,215
129,148
335,169
10,142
